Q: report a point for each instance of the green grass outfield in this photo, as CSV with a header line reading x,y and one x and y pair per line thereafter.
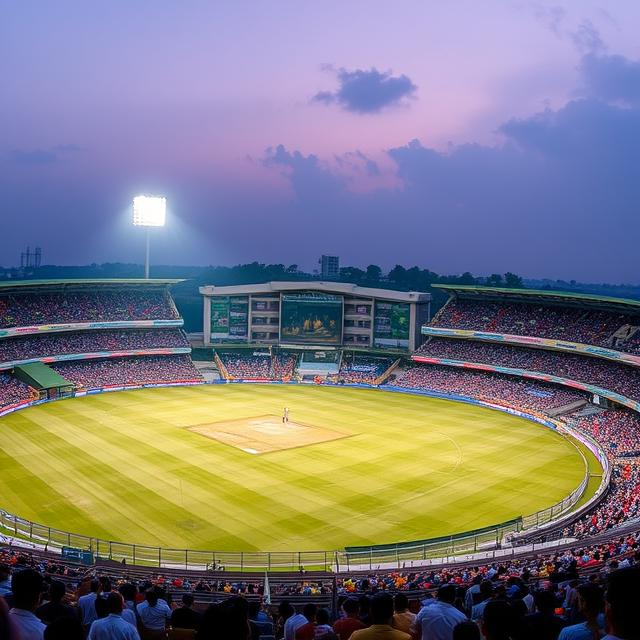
x,y
122,466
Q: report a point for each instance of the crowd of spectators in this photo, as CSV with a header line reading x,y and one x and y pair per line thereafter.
x,y
34,308
247,365
92,374
536,597
284,365
361,369
12,391
617,430
575,324
53,344
621,503
620,378
500,389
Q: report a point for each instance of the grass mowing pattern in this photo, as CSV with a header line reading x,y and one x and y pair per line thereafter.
x,y
123,466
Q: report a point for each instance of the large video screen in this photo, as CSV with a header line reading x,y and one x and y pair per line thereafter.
x,y
229,318
309,318
391,325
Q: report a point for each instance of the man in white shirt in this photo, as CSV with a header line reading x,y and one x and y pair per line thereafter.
x,y
113,627
292,624
26,587
436,620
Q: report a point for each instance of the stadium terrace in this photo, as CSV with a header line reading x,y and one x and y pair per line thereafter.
x,y
297,420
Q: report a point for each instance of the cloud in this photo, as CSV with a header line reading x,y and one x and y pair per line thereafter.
x,y
587,39
550,17
43,156
611,78
362,91
556,198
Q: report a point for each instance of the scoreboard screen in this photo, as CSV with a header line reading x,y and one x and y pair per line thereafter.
x,y
310,318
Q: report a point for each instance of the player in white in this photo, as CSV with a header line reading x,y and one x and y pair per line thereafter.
x,y
285,415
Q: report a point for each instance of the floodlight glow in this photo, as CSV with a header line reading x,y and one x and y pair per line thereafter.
x,y
149,211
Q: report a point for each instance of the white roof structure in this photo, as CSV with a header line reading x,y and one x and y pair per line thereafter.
x,y
344,288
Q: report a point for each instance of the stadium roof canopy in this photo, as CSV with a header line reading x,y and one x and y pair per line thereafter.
x,y
9,286
40,376
541,296
343,288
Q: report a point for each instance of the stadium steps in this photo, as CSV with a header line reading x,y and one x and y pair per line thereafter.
x,y
623,334
567,408
381,379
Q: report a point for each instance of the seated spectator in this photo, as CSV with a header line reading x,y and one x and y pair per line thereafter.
x,y
622,604
436,620
185,617
64,628
307,630
381,617
345,626
590,606
113,626
466,630
26,589
403,619
154,614
55,608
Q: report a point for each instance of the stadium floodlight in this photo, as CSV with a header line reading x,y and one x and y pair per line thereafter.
x,y
149,211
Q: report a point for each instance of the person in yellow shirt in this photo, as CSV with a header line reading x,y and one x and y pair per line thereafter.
x,y
381,616
402,618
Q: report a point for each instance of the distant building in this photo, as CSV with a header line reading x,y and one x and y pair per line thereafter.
x,y
329,266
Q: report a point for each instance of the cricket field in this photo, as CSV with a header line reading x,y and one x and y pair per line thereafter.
x,y
213,467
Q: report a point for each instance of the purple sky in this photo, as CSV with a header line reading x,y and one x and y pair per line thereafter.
x,y
483,136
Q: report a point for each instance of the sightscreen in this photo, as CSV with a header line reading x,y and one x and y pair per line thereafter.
x,y
229,318
311,319
391,325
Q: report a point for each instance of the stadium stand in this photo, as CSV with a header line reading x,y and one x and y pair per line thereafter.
x,y
129,371
500,389
84,303
603,548
620,378
41,346
362,369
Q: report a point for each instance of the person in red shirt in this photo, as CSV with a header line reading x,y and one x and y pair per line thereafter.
x,y
350,623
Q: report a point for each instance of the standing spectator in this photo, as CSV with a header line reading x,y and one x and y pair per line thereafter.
x,y
381,617
113,626
350,623
64,628
498,622
26,587
544,624
436,620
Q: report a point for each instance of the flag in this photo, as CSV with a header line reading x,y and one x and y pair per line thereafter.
x,y
266,598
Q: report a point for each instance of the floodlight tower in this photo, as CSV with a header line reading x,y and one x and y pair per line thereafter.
x,y
149,211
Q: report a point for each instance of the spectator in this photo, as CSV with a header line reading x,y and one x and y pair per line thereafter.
x,y
64,628
307,630
292,624
403,619
499,621
185,617
381,617
436,620
87,605
622,604
26,589
113,626
345,626
590,605
466,630
154,614
544,624
55,608
5,579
